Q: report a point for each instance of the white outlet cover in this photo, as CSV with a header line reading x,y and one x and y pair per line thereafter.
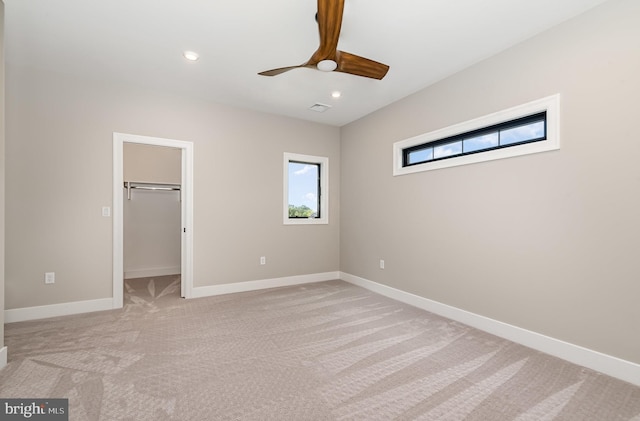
x,y
49,277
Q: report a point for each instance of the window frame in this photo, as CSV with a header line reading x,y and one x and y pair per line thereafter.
x,y
486,124
323,188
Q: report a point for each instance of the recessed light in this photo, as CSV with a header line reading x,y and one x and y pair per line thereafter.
x,y
190,55
336,94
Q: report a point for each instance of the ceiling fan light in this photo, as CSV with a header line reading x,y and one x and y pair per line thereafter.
x,y
327,65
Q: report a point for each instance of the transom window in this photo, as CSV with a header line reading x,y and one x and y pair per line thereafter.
x,y
515,132
525,129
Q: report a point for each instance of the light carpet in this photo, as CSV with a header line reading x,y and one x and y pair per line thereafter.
x,y
323,351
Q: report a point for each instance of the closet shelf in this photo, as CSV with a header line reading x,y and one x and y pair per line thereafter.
x,y
130,185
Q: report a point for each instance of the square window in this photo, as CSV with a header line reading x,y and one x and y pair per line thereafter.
x,y
305,189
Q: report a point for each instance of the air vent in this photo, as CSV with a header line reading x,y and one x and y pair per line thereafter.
x,y
320,108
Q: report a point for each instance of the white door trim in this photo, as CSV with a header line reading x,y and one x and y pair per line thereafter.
x,y
186,192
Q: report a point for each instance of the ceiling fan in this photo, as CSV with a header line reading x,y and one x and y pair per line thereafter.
x,y
327,57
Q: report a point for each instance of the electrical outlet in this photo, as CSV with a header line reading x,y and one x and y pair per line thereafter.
x,y
263,260
49,277
381,264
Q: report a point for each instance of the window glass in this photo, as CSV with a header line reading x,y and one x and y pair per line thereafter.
x,y
522,133
448,149
420,155
479,143
303,190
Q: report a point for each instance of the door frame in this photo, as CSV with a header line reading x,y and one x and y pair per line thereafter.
x,y
186,192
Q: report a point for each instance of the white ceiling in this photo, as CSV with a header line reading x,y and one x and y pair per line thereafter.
x,y
141,42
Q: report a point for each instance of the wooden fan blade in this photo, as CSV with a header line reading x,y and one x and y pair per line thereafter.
x,y
275,72
360,66
329,23
329,19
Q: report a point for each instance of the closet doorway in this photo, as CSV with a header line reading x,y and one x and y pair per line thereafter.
x,y
164,189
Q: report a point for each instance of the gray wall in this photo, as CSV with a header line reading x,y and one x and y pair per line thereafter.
x,y
547,242
152,233
151,164
59,149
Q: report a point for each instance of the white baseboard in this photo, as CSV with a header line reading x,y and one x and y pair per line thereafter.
x,y
3,357
607,364
56,310
145,273
208,291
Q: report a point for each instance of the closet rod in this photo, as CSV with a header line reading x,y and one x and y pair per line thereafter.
x,y
149,186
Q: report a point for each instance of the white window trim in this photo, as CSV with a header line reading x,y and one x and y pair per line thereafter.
x,y
324,189
550,104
